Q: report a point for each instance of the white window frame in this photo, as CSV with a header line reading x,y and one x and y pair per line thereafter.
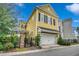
x,y
41,17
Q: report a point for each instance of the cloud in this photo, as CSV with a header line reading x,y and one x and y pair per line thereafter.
x,y
76,21
74,8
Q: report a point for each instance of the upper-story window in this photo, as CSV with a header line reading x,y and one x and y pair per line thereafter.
x,y
51,21
45,19
54,23
39,17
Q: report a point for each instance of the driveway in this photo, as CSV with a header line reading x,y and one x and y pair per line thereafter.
x,y
66,51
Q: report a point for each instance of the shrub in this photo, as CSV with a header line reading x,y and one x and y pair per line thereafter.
x,y
8,41
4,39
1,46
37,40
67,43
14,40
8,46
63,42
75,41
60,40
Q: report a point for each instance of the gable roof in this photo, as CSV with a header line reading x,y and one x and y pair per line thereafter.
x,y
42,7
47,8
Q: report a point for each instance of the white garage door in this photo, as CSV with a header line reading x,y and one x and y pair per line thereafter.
x,y
48,39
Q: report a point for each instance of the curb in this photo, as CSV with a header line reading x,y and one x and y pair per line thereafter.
x,y
33,51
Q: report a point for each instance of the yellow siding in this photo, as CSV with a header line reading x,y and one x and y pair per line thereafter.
x,y
46,25
33,22
31,25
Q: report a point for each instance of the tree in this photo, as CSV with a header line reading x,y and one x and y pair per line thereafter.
x,y
78,32
7,20
37,40
60,40
77,29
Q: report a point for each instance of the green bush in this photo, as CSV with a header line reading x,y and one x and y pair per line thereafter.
x,y
63,42
60,40
75,41
5,38
8,46
67,43
8,41
37,40
15,40
1,46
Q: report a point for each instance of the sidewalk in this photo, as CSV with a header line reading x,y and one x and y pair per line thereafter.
x,y
33,51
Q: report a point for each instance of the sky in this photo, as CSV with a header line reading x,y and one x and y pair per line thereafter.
x,y
63,10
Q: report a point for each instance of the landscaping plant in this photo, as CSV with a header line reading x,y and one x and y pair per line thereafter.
x,y
8,42
15,40
63,41
60,40
8,22
8,46
1,46
37,40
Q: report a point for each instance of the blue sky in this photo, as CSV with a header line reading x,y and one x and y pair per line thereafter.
x,y
63,10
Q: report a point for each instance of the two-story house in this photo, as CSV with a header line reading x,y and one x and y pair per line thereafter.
x,y
44,20
66,29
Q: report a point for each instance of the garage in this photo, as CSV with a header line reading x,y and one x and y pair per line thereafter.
x,y
48,39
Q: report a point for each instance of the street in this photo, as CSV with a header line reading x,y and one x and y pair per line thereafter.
x,y
66,51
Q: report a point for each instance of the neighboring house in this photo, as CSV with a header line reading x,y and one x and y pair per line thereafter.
x,y
66,29
44,20
60,27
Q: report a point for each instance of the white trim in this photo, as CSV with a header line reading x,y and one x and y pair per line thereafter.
x,y
36,20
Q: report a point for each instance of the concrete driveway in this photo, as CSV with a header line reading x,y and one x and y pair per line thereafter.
x,y
66,51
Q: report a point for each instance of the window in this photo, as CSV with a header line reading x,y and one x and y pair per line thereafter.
x,y
39,16
45,19
54,22
48,19
51,21
42,17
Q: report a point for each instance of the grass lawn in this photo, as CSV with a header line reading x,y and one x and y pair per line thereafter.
x,y
74,43
21,49
18,50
